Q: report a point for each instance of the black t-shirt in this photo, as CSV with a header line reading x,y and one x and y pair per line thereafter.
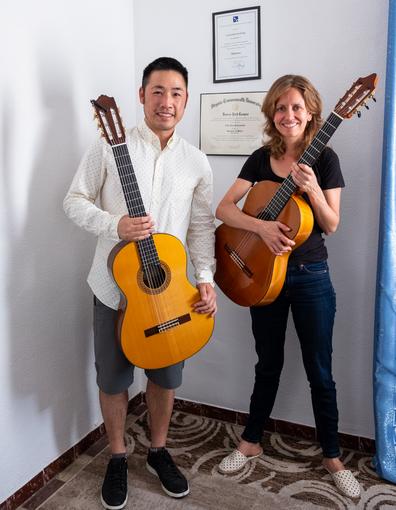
x,y
328,173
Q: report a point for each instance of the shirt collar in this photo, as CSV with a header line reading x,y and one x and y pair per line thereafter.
x,y
149,136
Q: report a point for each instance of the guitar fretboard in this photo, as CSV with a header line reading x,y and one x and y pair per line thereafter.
x,y
309,156
147,250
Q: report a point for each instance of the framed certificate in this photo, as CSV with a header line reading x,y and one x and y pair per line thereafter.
x,y
231,123
236,45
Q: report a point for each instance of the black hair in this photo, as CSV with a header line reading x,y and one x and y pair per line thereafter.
x,y
164,64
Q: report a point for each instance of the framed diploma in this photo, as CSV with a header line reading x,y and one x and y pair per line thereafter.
x,y
236,45
231,123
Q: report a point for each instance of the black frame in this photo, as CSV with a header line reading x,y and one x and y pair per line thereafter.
x,y
258,49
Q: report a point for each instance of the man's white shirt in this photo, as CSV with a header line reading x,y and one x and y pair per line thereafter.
x,y
176,186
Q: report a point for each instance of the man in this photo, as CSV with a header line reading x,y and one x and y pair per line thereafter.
x,y
175,182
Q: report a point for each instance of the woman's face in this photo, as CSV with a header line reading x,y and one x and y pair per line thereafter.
x,y
291,115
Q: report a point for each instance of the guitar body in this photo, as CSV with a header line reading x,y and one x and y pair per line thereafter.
x,y
157,326
247,271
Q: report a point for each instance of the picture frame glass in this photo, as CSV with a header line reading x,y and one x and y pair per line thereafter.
x,y
231,123
236,45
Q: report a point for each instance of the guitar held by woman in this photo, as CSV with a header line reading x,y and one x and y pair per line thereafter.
x,y
253,246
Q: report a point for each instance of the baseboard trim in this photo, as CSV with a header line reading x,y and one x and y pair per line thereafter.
x,y
90,444
95,441
360,444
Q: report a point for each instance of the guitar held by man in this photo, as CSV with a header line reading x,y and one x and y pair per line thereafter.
x,y
157,324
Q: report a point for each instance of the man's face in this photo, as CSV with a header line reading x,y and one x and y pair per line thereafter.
x,y
164,100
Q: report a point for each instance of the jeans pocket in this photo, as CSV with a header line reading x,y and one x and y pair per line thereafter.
x,y
315,268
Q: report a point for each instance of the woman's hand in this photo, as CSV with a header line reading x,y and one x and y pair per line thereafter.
x,y
325,203
273,234
305,178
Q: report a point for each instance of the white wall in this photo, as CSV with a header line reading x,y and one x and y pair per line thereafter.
x,y
332,43
56,56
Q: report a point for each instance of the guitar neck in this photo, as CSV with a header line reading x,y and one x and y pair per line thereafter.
x,y
128,179
133,198
309,157
313,151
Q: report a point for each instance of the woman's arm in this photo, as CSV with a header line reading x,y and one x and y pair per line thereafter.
x,y
325,203
271,232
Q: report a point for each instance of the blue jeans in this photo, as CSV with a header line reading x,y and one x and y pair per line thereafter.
x,y
309,293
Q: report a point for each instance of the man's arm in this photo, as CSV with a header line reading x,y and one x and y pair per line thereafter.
x,y
200,241
200,234
207,303
79,203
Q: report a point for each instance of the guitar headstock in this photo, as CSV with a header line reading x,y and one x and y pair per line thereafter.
x,y
361,90
109,119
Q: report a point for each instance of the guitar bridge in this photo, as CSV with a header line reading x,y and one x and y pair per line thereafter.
x,y
164,326
238,261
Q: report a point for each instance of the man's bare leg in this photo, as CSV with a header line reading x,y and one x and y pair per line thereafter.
x,y
160,405
114,412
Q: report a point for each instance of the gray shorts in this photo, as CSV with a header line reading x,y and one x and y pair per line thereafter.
x,y
114,371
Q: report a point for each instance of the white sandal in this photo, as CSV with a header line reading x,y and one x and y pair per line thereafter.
x,y
346,483
235,461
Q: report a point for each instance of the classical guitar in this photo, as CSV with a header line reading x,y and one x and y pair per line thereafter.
x,y
157,325
247,272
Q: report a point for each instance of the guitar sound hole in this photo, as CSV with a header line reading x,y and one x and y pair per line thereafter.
x,y
154,277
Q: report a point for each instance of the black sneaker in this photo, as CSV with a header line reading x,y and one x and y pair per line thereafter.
x,y
173,482
115,485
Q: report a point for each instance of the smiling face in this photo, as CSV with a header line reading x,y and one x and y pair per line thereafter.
x,y
291,115
164,100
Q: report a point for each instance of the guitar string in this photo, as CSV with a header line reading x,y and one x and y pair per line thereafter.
x,y
286,189
276,205
153,270
137,207
146,251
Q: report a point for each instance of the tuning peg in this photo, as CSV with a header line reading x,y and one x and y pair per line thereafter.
x,y
373,98
359,113
367,108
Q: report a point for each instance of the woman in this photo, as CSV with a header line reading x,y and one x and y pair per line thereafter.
x,y
292,108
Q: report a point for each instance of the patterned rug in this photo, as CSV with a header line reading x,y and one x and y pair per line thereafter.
x,y
289,468
288,476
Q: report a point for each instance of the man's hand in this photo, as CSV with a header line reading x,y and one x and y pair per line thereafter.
x,y
135,229
207,303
